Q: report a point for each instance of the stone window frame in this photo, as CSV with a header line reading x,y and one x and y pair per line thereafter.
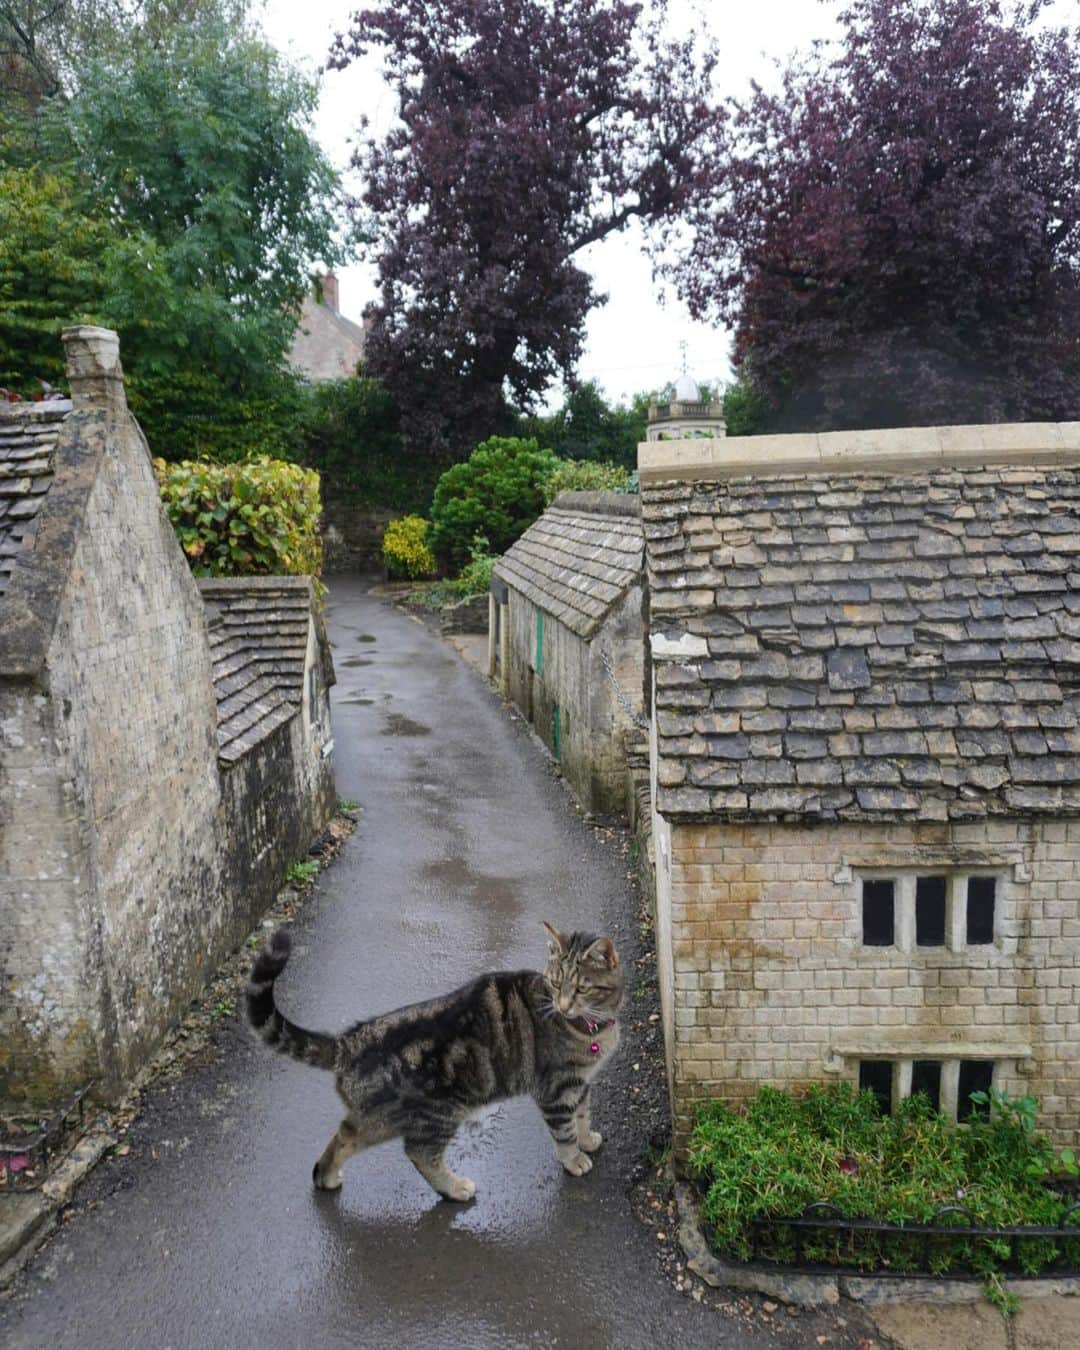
x,y
949,1091
904,881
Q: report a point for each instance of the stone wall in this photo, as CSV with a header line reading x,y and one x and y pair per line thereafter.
x,y
771,982
596,686
352,535
130,863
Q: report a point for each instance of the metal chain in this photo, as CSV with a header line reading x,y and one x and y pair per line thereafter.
x,y
642,723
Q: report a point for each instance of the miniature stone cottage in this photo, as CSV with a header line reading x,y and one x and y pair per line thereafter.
x,y
866,763
158,773
566,636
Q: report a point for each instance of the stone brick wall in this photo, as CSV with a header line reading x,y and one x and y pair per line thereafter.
x,y
769,981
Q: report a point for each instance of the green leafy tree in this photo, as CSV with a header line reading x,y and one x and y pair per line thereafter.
x,y
588,427
496,493
193,204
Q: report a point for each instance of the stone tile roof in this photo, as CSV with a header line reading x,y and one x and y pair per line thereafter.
x,y
326,345
867,646
258,642
578,560
28,433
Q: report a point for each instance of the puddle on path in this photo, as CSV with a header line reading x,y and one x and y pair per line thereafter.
x,y
495,893
354,661
366,637
364,702
397,725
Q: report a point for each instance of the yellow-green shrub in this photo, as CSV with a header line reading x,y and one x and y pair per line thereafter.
x,y
259,517
405,551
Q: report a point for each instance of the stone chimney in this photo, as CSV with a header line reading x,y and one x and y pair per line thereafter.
x,y
330,291
93,367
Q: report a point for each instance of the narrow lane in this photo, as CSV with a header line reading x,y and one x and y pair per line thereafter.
x,y
210,1234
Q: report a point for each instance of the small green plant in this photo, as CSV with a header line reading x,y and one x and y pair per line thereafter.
x,y
302,873
582,475
405,551
782,1153
224,1007
347,804
259,517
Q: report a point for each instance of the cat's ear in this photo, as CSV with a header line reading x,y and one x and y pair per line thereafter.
x,y
602,952
557,942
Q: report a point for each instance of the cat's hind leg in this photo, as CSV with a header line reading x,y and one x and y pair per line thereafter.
x,y
425,1148
349,1138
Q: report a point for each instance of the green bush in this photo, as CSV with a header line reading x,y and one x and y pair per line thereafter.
x,y
585,476
782,1153
258,518
405,551
497,492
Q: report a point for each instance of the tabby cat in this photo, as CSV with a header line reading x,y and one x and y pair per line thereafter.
x,y
417,1073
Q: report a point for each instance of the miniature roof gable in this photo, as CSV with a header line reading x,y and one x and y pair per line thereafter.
x,y
28,433
867,645
258,629
579,559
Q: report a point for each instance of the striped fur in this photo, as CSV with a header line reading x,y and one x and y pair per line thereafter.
x,y
418,1072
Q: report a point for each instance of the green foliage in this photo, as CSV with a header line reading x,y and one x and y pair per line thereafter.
x,y
185,203
744,411
586,427
497,492
352,435
405,551
473,579
60,263
832,1144
302,874
585,476
258,518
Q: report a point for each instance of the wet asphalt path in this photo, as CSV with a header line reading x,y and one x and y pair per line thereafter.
x,y
210,1235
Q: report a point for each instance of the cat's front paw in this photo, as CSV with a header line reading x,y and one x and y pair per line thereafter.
x,y
591,1142
577,1164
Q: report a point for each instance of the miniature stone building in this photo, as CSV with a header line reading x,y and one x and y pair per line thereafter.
x,y
566,636
144,822
866,763
686,417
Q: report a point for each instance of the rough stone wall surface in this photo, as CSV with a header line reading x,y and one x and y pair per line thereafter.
x,y
129,677
352,535
585,679
50,1015
771,982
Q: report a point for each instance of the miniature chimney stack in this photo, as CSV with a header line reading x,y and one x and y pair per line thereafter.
x,y
93,367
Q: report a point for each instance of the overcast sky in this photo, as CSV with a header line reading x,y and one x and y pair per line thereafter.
x,y
633,341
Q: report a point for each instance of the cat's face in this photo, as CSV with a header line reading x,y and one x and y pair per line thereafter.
x,y
583,974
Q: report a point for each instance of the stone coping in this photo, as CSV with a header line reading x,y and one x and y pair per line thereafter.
x,y
887,449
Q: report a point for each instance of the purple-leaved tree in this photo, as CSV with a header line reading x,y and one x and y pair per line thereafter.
x,y
527,129
895,234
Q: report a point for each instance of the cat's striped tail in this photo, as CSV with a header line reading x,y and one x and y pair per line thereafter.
x,y
311,1047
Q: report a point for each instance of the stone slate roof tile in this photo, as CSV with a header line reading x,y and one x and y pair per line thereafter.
x,y
879,645
577,561
28,433
258,629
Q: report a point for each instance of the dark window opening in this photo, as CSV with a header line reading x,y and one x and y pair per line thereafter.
x,y
930,911
875,1075
976,1075
878,913
926,1077
980,910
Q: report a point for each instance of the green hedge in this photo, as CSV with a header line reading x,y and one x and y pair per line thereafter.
x,y
257,518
